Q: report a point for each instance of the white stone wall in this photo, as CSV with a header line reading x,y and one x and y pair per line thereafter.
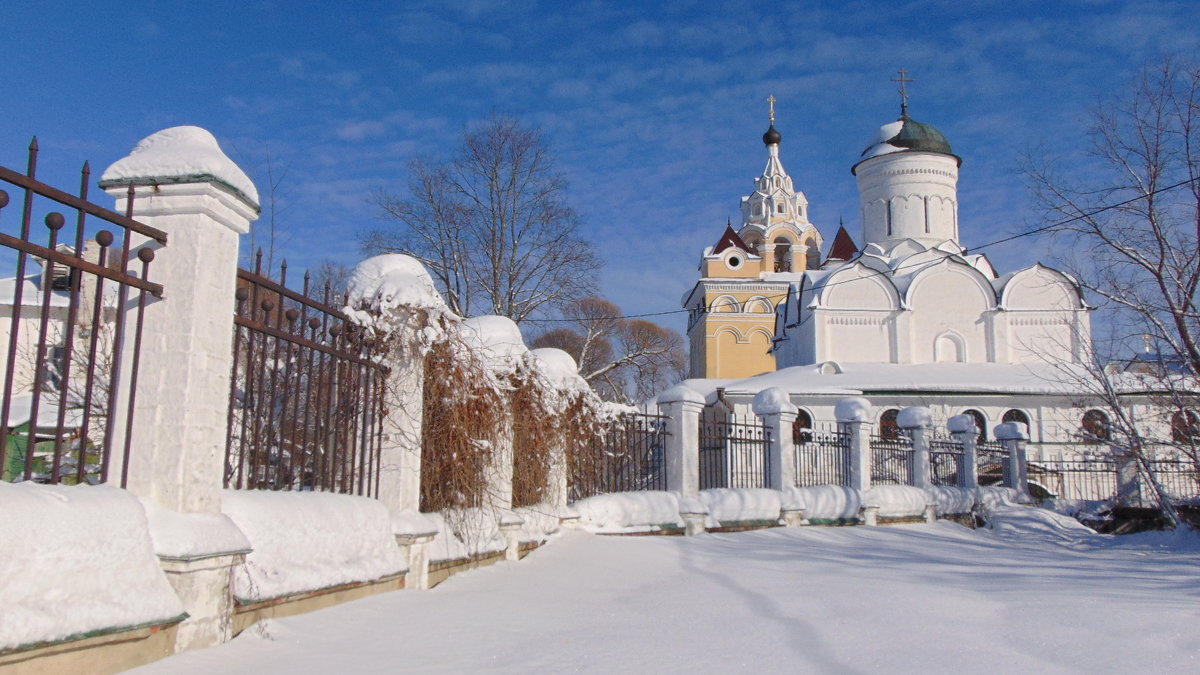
x,y
909,194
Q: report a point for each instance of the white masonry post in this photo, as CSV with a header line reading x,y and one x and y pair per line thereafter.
x,y
1012,436
778,413
916,421
853,418
963,429
682,407
185,186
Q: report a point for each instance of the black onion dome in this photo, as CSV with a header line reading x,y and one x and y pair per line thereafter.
x,y
772,137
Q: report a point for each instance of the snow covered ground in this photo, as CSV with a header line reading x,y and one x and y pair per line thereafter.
x,y
1036,594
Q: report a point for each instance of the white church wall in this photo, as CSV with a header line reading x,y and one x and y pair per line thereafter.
x,y
903,183
949,303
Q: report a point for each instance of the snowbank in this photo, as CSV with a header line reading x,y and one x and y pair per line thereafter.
x,y
896,501
727,506
629,512
186,152
306,541
538,522
951,500
825,502
75,560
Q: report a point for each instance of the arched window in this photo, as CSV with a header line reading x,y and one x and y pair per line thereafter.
x,y
783,254
887,424
980,424
802,428
1094,428
779,208
1019,417
1185,427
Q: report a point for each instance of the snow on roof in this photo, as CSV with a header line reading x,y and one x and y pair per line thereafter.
x,y
31,292
180,154
861,378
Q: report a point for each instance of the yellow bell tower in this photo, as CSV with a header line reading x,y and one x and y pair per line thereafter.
x,y
747,273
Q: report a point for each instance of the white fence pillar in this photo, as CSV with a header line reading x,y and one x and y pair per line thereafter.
x,y
778,414
400,456
185,186
916,421
963,429
853,417
682,407
1016,474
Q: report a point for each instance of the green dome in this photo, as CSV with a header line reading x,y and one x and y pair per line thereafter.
x,y
916,135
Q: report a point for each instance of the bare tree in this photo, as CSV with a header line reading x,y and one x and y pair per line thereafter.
x,y
623,359
492,225
1127,226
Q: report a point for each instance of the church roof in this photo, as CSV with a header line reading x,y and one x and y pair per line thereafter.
x,y
907,135
728,240
843,246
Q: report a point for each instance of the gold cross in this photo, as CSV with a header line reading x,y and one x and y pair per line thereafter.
x,y
771,100
903,80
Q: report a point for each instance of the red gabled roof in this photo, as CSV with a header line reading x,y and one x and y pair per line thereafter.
x,y
730,239
843,246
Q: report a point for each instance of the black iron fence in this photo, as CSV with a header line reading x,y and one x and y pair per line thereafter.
x,y
1179,478
306,401
72,334
734,452
891,460
822,458
1084,479
946,465
627,456
992,463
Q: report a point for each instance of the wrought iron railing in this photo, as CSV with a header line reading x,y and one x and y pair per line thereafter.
x,y
734,453
991,461
1084,479
822,458
1179,478
306,401
627,456
75,307
891,460
946,466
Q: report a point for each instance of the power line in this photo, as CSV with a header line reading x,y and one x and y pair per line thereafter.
x,y
1027,233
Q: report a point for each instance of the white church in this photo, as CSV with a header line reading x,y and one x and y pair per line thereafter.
x,y
909,316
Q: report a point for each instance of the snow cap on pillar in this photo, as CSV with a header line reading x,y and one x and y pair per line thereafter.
x,y
961,424
914,417
1010,431
385,282
680,393
773,401
856,409
181,155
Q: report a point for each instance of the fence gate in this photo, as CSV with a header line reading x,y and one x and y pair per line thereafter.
x,y
734,452
306,401
72,337
627,456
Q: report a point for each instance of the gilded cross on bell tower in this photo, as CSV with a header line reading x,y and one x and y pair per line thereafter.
x,y
903,80
771,101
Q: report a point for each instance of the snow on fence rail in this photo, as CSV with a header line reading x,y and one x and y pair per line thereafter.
x,y
306,400
72,351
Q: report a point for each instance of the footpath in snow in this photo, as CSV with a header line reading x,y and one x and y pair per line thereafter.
x,y
1037,594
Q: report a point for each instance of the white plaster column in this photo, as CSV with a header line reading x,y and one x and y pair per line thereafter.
x,y
1016,476
400,456
916,421
682,407
778,413
179,423
853,415
185,186
500,472
962,428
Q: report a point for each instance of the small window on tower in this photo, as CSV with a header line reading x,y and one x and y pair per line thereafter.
x,y
734,262
779,208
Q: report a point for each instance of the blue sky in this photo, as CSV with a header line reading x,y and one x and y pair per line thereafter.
x,y
656,111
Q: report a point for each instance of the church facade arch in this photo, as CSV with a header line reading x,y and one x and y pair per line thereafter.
x,y
949,347
758,305
725,304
